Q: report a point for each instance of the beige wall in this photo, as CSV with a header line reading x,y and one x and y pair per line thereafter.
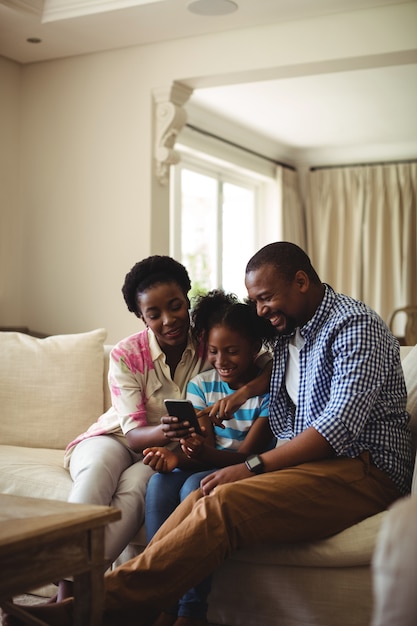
x,y
10,224
81,177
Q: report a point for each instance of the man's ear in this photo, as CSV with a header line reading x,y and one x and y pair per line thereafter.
x,y
302,281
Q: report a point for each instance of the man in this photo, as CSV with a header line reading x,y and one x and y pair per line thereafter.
x,y
338,400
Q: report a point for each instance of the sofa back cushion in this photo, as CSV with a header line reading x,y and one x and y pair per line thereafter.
x,y
51,389
409,364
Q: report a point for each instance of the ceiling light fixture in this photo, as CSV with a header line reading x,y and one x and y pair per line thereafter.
x,y
212,7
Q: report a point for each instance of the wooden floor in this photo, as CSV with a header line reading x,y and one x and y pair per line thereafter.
x,y
31,599
27,600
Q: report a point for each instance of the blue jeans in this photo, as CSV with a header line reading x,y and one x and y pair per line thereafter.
x,y
164,493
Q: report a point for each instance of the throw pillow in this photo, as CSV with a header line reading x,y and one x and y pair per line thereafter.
x,y
51,389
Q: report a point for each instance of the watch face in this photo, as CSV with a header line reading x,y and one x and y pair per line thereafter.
x,y
255,464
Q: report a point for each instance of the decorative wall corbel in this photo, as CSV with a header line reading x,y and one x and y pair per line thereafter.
x,y
170,118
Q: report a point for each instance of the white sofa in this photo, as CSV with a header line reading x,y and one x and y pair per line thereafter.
x,y
52,389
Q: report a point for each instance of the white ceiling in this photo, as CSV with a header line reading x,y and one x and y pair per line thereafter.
x,y
358,116
319,118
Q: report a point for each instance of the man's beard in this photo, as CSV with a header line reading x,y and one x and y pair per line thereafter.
x,y
290,326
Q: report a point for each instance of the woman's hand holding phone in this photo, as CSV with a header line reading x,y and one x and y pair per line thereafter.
x,y
181,421
174,430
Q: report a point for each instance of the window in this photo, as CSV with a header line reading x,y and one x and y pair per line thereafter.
x,y
216,221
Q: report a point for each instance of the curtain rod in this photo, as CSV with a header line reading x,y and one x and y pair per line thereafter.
x,y
236,145
332,167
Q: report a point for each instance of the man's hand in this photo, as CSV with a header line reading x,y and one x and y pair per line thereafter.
x,y
160,459
229,474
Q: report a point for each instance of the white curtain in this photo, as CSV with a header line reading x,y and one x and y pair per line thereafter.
x,y
292,211
362,232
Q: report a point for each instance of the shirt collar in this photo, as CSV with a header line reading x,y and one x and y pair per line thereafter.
x,y
322,312
156,350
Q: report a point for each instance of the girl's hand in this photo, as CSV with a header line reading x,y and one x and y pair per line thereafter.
x,y
160,459
229,474
193,446
174,430
224,409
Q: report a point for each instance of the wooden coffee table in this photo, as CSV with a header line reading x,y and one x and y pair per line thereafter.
x,y
42,541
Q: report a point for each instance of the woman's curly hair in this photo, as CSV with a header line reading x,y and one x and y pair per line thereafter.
x,y
149,272
220,308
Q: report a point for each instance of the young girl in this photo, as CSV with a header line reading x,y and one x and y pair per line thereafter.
x,y
233,334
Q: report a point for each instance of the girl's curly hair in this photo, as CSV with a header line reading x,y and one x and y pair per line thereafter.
x,y
149,272
220,308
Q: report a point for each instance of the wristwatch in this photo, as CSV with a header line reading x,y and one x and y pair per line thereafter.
x,y
255,464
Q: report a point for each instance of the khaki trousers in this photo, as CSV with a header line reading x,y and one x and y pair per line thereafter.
x,y
303,503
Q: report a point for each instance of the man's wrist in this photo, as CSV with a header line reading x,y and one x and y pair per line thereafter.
x,y
245,392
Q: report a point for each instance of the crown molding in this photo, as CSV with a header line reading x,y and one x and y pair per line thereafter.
x,y
169,119
55,10
28,6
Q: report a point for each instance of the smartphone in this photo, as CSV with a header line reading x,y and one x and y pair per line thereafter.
x,y
184,410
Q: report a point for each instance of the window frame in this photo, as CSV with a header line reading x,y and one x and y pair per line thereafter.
x,y
262,187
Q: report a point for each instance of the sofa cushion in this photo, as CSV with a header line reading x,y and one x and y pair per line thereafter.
x,y
34,472
350,548
51,389
409,365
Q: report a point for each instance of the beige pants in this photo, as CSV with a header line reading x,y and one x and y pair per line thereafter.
x,y
303,503
106,472
395,567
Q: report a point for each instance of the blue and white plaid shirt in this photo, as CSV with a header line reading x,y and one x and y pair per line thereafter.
x,y
351,387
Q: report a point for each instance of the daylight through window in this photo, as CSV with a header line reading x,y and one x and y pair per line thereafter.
x,y
216,217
